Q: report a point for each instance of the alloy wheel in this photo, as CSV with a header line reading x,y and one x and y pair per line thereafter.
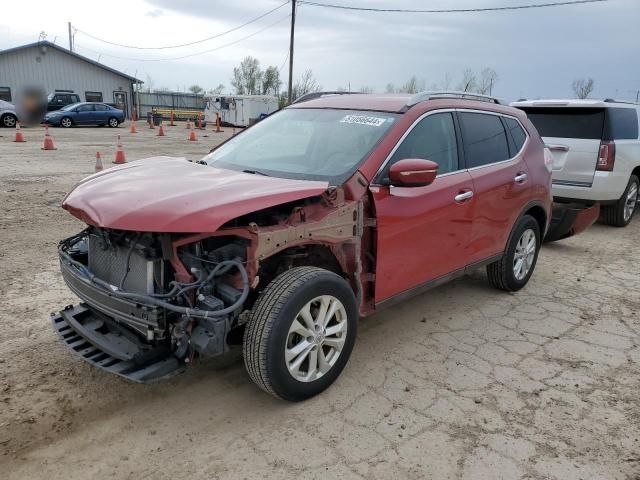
x,y
316,338
524,254
9,121
66,122
630,203
113,122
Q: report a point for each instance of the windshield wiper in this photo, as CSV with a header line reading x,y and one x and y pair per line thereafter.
x,y
256,172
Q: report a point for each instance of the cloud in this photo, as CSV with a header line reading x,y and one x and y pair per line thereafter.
x,y
155,13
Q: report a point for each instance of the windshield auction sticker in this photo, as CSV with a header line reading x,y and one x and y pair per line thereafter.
x,y
363,120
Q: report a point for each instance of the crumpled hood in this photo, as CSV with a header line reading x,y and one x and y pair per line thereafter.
x,y
164,194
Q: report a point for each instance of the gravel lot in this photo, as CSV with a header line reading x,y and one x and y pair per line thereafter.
x,y
462,382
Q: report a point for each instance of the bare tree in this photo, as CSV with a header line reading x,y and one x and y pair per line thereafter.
x,y
469,82
411,86
196,89
488,79
390,88
247,77
305,84
148,84
582,87
271,81
216,91
366,89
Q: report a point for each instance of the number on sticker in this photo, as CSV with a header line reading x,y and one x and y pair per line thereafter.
x,y
363,120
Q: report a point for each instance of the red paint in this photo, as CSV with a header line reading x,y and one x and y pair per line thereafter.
x,y
165,194
413,172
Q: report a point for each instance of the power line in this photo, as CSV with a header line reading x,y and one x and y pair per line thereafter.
x,y
191,54
449,10
165,47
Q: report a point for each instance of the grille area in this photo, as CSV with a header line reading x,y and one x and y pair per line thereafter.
x,y
108,262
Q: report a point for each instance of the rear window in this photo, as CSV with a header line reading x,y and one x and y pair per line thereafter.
x,y
621,124
587,123
517,133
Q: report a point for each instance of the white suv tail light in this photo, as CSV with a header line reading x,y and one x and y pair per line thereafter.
x,y
606,156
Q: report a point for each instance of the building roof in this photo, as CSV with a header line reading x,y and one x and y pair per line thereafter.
x,y
73,54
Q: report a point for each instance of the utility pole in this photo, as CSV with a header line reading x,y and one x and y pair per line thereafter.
x,y
70,37
293,26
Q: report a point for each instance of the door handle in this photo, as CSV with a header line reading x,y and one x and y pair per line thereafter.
x,y
462,196
521,177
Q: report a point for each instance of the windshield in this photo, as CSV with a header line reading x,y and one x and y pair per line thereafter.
x,y
69,107
308,144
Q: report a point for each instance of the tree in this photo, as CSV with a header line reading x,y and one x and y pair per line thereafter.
x,y
247,77
488,79
271,81
469,82
582,87
305,84
196,89
148,84
390,88
410,87
366,89
216,91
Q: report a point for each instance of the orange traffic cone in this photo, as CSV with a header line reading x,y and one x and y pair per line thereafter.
x,y
99,166
171,124
192,135
161,131
19,135
120,158
132,128
188,127
218,130
48,140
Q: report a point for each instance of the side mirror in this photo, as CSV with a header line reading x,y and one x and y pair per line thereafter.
x,y
413,172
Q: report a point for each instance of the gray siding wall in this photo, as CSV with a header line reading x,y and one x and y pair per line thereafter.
x,y
53,70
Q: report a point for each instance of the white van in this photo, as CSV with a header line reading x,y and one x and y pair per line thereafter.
x,y
596,152
240,110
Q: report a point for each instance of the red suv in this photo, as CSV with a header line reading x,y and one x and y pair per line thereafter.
x,y
285,234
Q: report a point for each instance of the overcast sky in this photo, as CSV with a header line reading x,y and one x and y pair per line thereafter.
x,y
537,53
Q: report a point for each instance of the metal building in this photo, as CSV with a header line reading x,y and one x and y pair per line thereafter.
x,y
52,67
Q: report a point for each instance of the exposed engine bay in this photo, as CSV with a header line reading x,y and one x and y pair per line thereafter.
x,y
128,283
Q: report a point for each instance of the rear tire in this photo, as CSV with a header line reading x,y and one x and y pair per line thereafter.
x,y
514,269
283,356
621,213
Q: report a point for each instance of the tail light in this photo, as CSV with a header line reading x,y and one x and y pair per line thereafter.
x,y
606,156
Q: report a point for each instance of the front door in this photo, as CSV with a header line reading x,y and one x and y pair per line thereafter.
x,y
423,232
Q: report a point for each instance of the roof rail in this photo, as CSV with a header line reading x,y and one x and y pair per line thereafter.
x,y
432,95
613,100
314,95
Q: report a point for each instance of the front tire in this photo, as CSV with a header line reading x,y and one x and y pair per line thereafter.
x,y
113,122
9,120
301,333
514,269
621,213
66,122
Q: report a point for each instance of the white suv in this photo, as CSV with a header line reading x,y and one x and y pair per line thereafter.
x,y
596,152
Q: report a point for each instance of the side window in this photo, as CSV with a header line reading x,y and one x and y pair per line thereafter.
x,y
101,108
433,138
621,124
85,108
517,133
484,138
5,94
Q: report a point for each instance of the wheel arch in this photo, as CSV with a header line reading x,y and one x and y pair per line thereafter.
x,y
538,212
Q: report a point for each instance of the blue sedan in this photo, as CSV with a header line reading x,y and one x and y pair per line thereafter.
x,y
85,113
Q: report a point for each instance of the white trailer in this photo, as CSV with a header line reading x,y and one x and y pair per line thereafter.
x,y
240,110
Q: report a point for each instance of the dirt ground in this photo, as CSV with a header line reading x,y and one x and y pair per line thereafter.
x,y
462,382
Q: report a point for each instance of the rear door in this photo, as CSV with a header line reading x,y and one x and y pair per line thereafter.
x,y
500,179
573,135
84,114
102,113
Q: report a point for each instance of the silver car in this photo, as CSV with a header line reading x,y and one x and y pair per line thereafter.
x,y
8,115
